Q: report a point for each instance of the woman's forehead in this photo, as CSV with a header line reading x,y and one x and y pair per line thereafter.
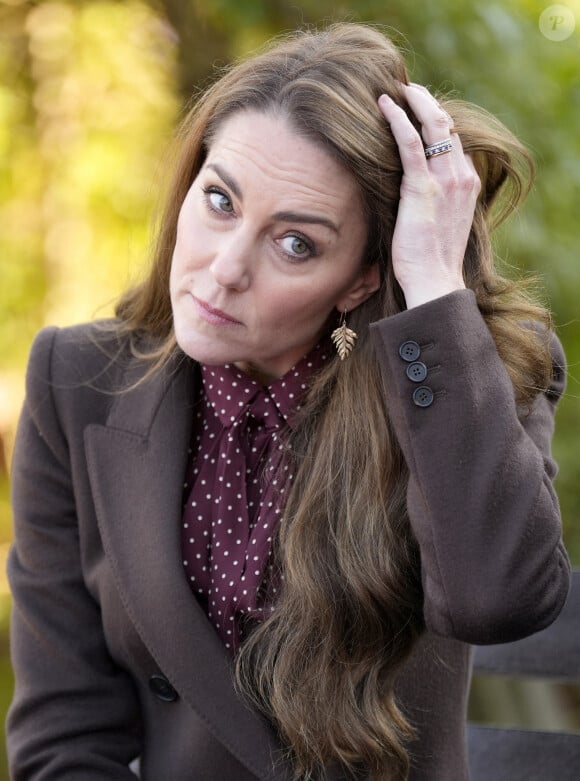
x,y
258,149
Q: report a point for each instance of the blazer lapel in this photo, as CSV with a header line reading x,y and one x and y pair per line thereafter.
x,y
136,464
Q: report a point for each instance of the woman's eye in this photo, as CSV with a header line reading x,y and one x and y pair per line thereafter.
x,y
297,247
218,200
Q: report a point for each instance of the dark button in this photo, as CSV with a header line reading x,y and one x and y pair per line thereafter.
x,y
161,688
409,351
416,371
423,396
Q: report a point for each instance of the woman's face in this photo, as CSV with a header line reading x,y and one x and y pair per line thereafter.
x,y
270,240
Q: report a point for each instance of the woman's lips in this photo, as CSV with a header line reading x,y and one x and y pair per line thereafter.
x,y
213,315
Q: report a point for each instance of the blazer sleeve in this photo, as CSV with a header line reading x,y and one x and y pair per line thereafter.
x,y
74,714
480,496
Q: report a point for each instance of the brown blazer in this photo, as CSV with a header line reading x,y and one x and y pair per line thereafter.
x,y
114,658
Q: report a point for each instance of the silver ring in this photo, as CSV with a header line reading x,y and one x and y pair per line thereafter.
x,y
440,148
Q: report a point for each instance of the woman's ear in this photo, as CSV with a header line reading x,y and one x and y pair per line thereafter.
x,y
366,283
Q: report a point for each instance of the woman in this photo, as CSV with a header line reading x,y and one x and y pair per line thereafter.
x,y
240,554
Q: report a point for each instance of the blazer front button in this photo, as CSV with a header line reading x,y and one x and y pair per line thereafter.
x,y
416,371
423,396
162,689
409,351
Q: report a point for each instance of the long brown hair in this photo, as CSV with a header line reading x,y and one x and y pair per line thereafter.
x,y
322,667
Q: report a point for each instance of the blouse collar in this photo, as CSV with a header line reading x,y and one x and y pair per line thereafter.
x,y
229,390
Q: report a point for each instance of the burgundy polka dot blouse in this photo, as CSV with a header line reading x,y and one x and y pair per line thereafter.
x,y
235,489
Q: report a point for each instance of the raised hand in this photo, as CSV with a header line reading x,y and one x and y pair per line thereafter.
x,y
438,197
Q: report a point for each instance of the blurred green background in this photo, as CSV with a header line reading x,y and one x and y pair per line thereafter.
x,y
90,93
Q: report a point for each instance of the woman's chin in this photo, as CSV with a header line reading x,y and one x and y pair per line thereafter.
x,y
204,350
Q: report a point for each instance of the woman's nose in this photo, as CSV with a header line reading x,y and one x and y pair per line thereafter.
x,y
231,265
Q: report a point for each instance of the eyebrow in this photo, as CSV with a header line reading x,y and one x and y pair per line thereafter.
x,y
227,179
283,216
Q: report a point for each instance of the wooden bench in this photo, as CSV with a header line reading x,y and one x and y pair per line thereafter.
x,y
510,754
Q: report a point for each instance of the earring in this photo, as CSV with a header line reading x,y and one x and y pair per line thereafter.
x,y
343,338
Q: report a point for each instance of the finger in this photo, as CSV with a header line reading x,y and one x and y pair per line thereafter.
x,y
455,170
472,177
434,99
435,122
455,164
454,155
409,142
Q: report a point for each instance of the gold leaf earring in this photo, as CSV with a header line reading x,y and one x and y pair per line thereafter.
x,y
343,338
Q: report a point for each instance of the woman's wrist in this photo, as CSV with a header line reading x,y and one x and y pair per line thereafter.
x,y
428,290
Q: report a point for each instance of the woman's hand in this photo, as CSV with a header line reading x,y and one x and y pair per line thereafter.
x,y
438,197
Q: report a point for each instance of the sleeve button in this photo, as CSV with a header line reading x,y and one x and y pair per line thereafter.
x,y
416,371
423,396
162,689
409,351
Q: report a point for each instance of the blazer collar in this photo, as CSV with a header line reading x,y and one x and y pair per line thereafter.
x,y
137,463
